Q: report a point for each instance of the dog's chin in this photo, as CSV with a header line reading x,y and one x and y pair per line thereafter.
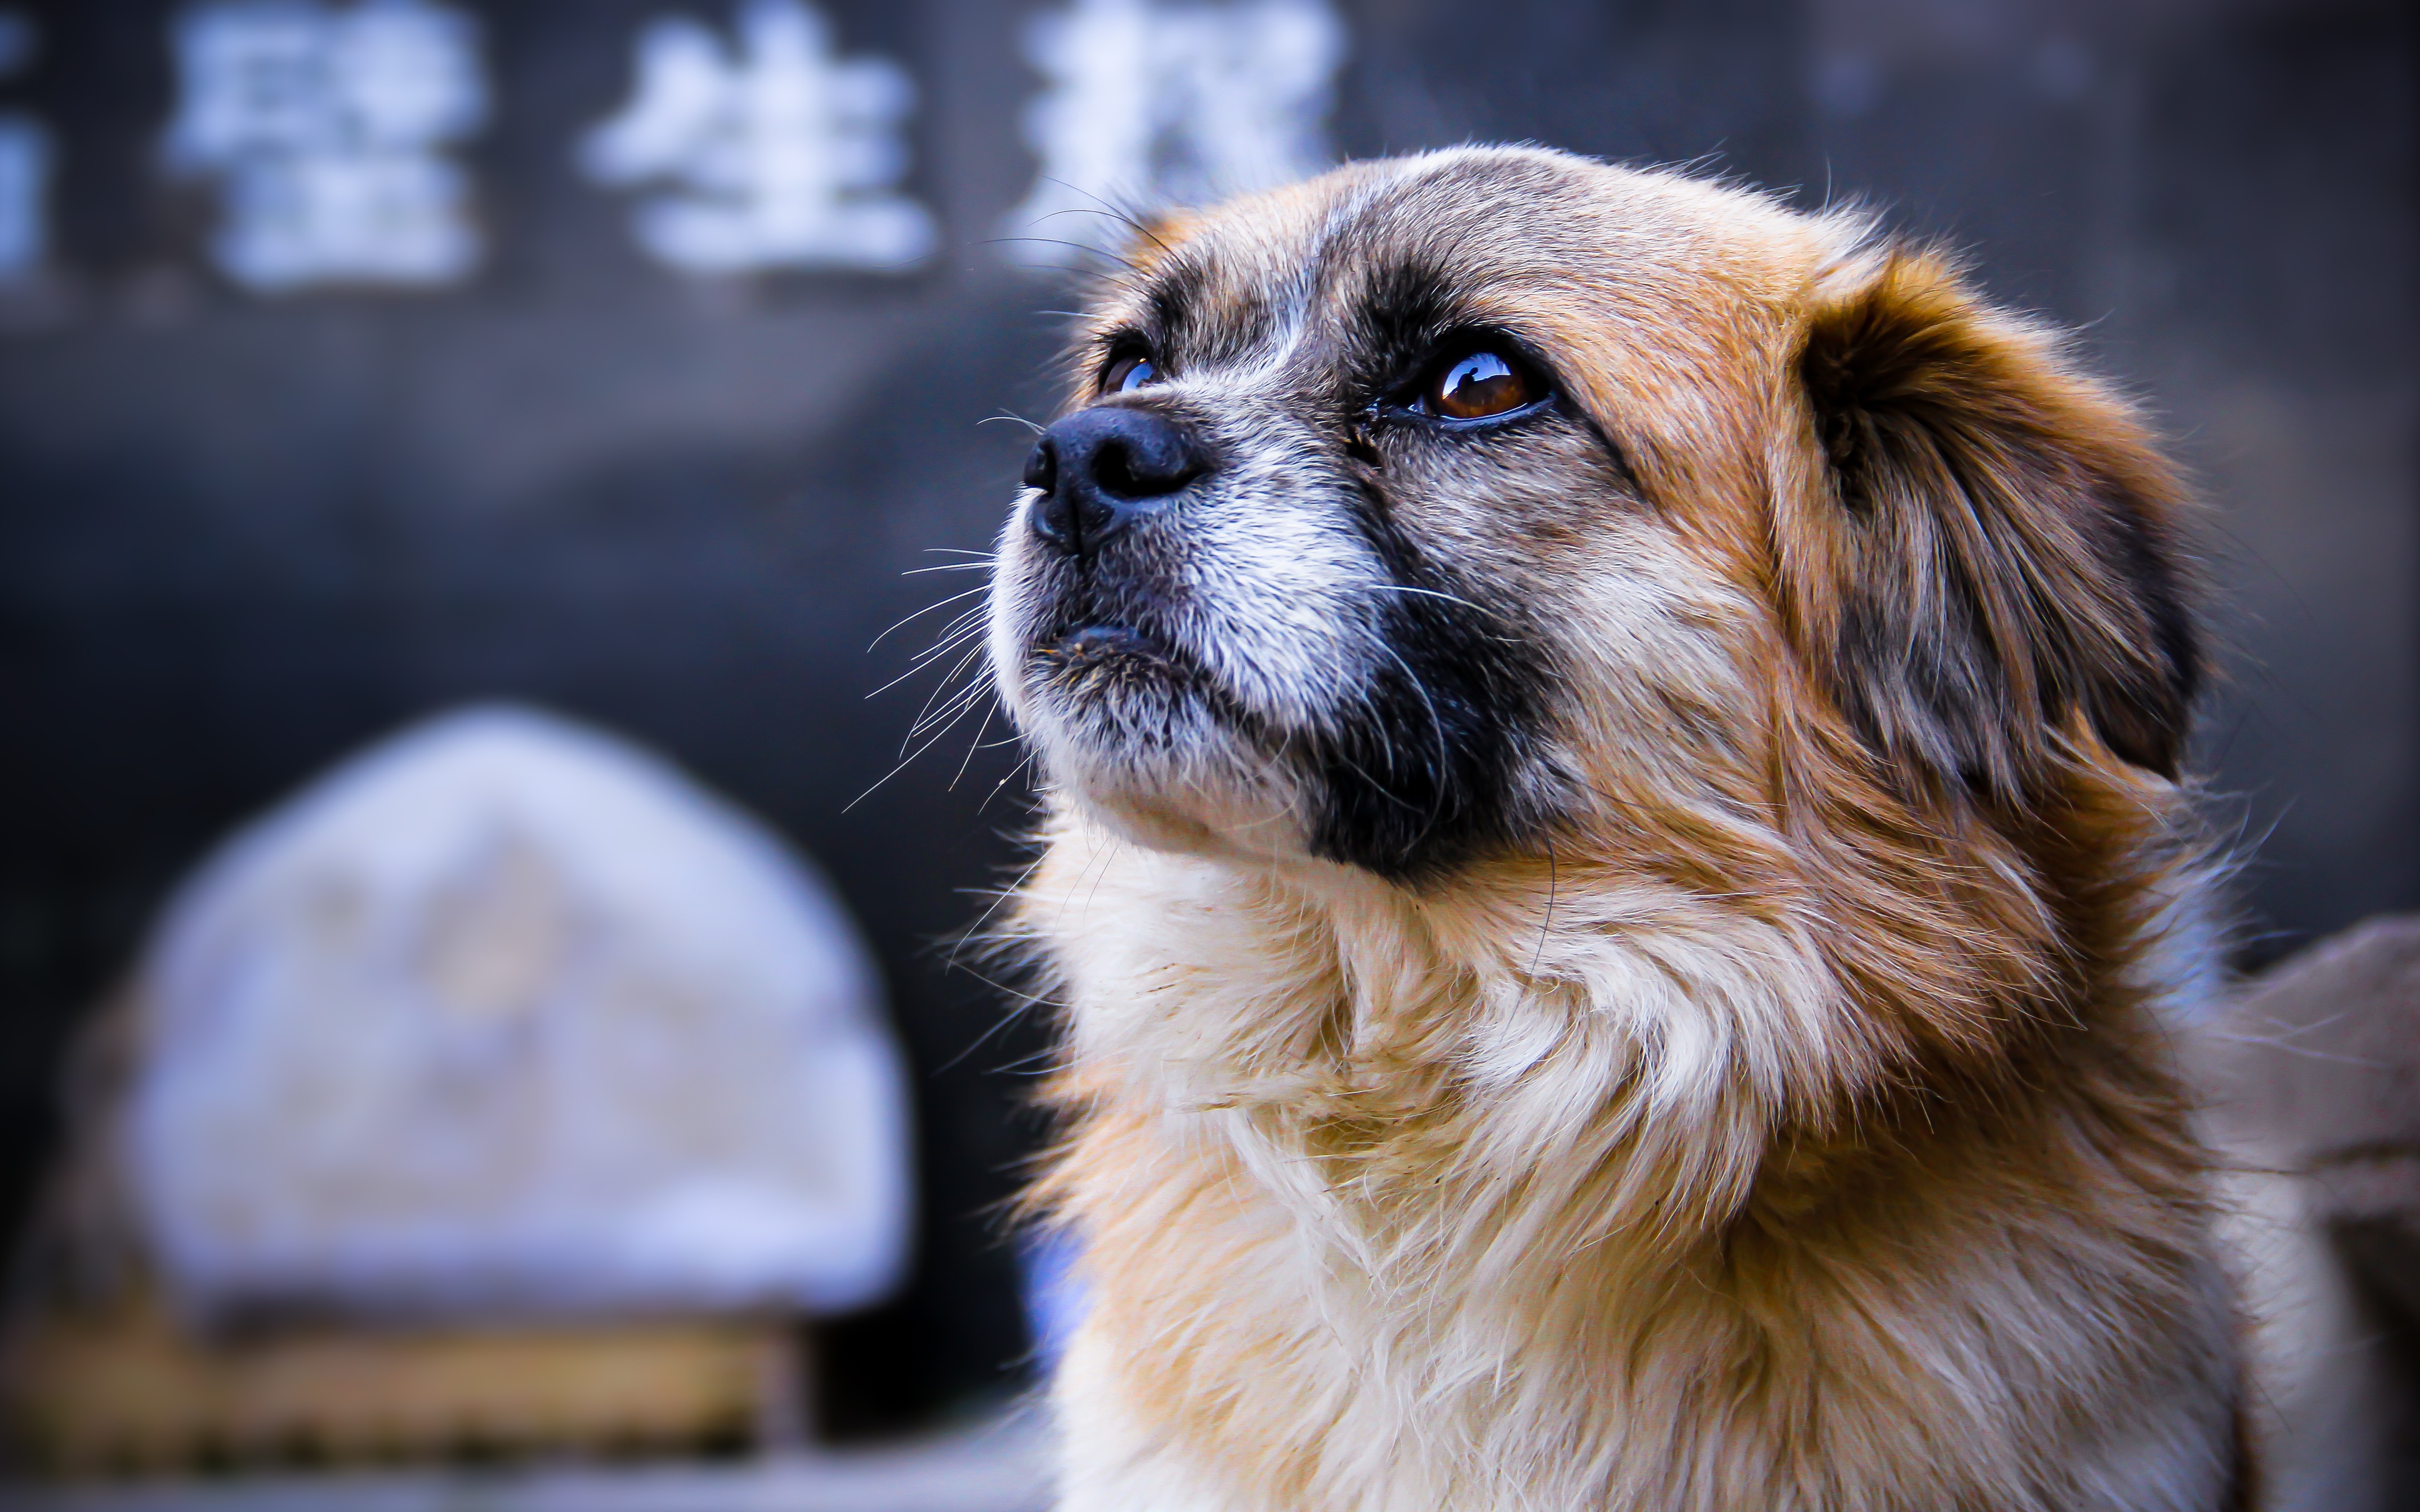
x,y
1147,748
1242,823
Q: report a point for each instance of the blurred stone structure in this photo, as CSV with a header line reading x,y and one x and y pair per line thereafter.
x,y
506,1019
504,1089
243,533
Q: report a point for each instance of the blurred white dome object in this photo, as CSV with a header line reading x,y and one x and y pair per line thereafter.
x,y
507,1017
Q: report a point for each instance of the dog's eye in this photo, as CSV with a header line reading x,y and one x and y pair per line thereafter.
x,y
1128,373
1479,385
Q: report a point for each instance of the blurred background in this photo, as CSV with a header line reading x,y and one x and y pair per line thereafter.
x,y
360,359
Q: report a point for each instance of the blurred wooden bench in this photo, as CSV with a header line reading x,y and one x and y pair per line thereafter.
x,y
124,1390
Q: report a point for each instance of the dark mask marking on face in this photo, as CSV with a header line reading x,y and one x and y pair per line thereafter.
x,y
1425,771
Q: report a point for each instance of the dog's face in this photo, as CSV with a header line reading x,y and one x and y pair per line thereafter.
x,y
1427,509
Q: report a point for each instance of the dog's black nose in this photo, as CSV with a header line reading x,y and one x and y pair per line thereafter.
x,y
1101,469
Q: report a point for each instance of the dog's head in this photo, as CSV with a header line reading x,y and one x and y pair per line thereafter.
x,y
1432,506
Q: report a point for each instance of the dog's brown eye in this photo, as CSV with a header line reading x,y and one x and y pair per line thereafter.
x,y
1479,385
1128,373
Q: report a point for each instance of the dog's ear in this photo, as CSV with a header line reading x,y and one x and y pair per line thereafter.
x,y
2007,558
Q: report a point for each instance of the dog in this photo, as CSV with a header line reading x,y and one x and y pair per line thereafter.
x,y
1617,869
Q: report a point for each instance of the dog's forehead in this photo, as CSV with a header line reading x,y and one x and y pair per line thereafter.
x,y
1529,240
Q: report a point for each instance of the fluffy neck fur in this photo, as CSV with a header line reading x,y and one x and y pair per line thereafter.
x,y
1828,1161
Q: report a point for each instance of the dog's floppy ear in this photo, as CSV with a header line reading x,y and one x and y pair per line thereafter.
x,y
2008,559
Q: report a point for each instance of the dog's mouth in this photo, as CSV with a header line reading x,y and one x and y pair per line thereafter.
x,y
1119,669
1084,660
1095,651
1151,743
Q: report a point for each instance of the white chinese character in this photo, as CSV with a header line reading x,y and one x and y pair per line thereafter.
x,y
777,155
327,125
1166,103
25,165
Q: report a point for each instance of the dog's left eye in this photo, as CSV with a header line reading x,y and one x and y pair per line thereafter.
x,y
1478,384
1128,373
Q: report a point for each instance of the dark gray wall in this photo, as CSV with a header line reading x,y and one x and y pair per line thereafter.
x,y
237,538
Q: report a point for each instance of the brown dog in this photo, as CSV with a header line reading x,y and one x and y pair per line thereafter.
x,y
1615,870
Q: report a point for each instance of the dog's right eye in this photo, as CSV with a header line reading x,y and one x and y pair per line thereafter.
x,y
1128,373
1473,382
1480,385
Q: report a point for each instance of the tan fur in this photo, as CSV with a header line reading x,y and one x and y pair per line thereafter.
x,y
1789,1124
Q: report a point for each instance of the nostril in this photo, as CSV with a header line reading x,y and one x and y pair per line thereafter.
x,y
1144,466
1042,467
1114,469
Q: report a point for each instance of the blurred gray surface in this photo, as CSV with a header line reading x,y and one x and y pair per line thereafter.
x,y
996,1466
